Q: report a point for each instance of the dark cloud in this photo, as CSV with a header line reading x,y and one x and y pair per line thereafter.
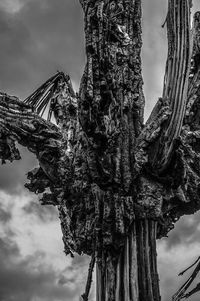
x,y
184,238
77,273
44,213
78,263
41,38
25,280
186,232
170,282
5,215
13,175
154,51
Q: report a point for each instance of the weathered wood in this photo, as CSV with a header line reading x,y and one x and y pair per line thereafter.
x,y
181,294
191,114
136,276
118,184
19,123
111,98
175,82
133,264
190,136
85,296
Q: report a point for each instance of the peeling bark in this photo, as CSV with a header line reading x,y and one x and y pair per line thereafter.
x,y
111,98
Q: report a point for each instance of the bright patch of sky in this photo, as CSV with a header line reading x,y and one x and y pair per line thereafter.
x,y
30,232
11,6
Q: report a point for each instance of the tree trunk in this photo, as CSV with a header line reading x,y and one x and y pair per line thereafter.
x,y
112,178
132,276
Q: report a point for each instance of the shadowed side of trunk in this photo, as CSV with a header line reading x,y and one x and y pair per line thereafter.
x,y
133,275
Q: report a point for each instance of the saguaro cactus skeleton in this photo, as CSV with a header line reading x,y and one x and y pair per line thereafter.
x,y
118,184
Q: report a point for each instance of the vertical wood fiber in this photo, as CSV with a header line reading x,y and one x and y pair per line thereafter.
x,y
135,270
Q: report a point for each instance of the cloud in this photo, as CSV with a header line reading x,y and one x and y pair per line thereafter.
x,y
5,215
76,273
37,39
27,280
32,261
196,6
13,175
186,232
178,252
170,263
154,51
43,213
31,229
11,6
41,38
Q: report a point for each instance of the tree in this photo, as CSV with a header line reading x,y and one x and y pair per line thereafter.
x,y
118,184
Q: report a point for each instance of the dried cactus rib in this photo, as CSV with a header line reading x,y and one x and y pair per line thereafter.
x,y
194,80
27,126
18,123
85,296
124,277
43,99
177,71
181,293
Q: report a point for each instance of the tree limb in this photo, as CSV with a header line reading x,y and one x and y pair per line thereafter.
x,y
191,120
111,97
175,82
19,122
52,145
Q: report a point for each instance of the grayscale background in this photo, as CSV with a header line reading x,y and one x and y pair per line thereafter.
x,y
39,37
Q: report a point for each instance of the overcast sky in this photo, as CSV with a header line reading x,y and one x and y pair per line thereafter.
x,y
39,37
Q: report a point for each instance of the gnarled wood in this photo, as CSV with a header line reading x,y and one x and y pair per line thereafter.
x,y
111,98
118,185
133,275
19,122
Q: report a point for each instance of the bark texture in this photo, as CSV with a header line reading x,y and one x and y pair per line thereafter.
x,y
132,275
118,184
175,81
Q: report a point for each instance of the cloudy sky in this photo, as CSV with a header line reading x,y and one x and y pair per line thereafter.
x,y
39,37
